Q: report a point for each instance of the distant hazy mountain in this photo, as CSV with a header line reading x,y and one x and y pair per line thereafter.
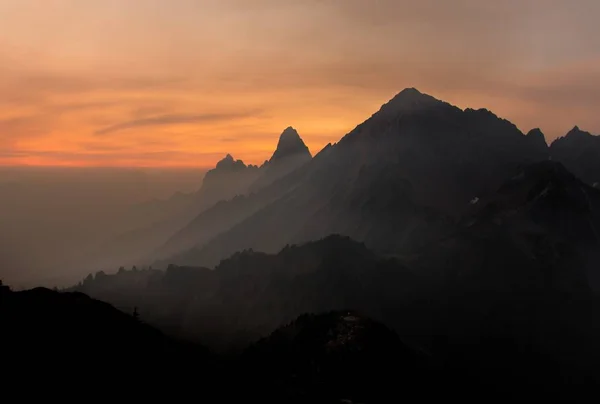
x,y
160,221
290,155
579,151
391,182
228,179
251,293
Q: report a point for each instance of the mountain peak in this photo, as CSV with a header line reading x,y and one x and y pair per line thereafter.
x,y
575,135
290,143
536,132
410,91
577,132
411,94
407,100
536,135
290,131
229,163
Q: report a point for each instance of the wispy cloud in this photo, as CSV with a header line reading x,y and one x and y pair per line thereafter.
x,y
172,120
331,64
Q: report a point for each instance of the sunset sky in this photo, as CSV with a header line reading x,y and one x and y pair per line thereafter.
x,y
183,82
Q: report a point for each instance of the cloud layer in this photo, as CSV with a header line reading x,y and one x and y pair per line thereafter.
x,y
183,82
169,120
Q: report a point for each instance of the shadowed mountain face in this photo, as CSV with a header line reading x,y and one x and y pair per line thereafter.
x,y
579,151
548,218
537,141
524,265
391,182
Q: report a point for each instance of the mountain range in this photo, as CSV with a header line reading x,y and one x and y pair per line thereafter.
x,y
409,171
477,245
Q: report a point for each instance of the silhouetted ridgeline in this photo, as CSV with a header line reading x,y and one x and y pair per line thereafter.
x,y
65,340
397,182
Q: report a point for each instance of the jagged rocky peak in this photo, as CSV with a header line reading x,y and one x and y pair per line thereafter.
x,y
576,132
536,136
290,144
579,151
576,136
229,163
536,133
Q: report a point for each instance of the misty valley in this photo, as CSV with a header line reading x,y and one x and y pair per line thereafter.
x,y
432,253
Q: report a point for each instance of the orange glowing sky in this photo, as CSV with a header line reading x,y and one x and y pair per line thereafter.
x,y
183,82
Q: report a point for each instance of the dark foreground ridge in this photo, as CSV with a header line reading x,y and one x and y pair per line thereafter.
x,y
341,356
333,356
66,338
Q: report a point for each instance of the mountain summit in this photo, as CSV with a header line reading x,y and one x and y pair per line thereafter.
x,y
228,163
290,154
290,144
229,178
579,151
412,96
